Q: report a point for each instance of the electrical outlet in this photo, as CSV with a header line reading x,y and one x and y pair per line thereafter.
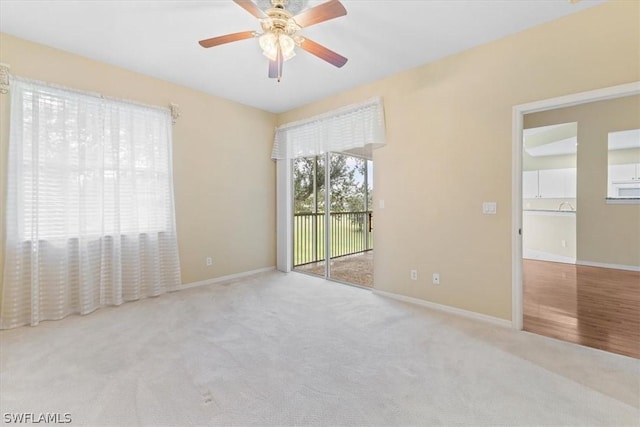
x,y
564,243
209,261
414,274
436,278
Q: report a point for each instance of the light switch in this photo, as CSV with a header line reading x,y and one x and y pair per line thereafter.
x,y
489,208
381,204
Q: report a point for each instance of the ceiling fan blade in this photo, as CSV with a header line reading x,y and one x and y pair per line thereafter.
x,y
324,12
323,53
215,41
251,7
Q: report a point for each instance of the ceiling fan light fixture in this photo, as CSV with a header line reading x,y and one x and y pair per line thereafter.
x,y
281,20
269,43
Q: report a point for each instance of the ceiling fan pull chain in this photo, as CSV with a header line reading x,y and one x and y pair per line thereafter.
x,y
280,62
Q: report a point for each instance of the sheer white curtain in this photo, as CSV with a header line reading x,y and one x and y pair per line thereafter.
x,y
90,211
354,127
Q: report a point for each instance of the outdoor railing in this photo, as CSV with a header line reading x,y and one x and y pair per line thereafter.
x,y
351,233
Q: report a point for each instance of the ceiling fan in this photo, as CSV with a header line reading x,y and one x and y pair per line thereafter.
x,y
280,28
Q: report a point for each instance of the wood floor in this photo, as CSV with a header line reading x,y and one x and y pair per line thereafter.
x,y
596,307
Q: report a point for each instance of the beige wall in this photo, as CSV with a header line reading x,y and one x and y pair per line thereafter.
x,y
223,175
620,157
449,149
544,235
605,233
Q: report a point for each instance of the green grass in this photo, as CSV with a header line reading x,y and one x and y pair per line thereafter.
x,y
347,237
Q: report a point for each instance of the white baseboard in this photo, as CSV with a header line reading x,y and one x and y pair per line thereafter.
x,y
223,278
605,265
446,309
546,256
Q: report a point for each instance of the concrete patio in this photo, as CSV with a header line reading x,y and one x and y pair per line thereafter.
x,y
356,269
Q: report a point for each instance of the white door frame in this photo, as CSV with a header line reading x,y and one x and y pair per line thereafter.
x,y
516,190
284,215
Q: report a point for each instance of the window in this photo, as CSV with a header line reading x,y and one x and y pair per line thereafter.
x,y
90,166
90,212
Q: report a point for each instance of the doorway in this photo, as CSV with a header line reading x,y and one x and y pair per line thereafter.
x,y
332,217
549,178
576,292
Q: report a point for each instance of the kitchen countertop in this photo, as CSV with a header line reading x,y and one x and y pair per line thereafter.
x,y
550,211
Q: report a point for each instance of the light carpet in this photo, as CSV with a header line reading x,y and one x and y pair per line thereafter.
x,y
288,349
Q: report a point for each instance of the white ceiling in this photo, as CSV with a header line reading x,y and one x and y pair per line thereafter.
x,y
562,139
553,140
555,148
380,38
624,139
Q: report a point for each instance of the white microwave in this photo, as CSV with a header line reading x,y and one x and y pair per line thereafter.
x,y
626,189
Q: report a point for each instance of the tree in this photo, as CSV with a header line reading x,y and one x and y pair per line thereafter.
x,y
346,193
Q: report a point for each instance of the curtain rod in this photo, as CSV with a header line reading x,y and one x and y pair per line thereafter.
x,y
4,78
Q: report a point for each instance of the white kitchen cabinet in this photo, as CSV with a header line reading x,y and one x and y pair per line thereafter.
x,y
623,178
530,184
625,173
549,184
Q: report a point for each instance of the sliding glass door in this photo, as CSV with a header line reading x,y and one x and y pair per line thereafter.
x,y
341,229
309,215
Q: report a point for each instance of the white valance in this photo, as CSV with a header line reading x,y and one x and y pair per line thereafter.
x,y
357,126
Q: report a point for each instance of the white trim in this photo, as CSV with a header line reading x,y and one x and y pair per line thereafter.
x,y
222,279
546,256
284,215
446,308
571,100
517,314
518,113
606,265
